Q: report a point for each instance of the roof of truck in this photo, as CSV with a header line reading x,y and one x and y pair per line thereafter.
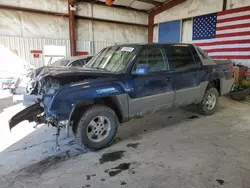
x,y
155,44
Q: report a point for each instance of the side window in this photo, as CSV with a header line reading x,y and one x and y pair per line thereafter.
x,y
154,58
180,57
75,64
82,62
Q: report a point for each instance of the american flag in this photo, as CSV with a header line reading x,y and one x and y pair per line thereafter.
x,y
224,35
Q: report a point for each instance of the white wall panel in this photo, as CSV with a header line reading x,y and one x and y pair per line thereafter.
x,y
22,25
63,24
141,18
104,31
83,30
187,29
83,9
190,8
50,5
11,2
125,34
237,3
62,6
155,34
124,15
141,35
39,25
83,46
103,12
10,23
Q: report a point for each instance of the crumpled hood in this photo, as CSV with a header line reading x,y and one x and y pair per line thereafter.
x,y
69,71
46,76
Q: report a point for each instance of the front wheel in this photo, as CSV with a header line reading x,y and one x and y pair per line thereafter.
x,y
210,101
97,127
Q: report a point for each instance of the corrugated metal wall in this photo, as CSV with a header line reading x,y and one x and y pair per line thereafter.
x,y
23,46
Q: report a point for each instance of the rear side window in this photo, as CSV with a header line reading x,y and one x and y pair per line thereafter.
x,y
154,58
180,57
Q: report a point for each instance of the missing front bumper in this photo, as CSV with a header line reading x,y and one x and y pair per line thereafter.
x,y
31,113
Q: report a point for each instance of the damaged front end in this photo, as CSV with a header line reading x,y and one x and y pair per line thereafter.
x,y
32,113
37,112
42,89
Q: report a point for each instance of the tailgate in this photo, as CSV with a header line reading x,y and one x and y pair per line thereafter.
x,y
226,81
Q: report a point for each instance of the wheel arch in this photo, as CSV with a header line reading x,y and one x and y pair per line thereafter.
x,y
119,104
216,84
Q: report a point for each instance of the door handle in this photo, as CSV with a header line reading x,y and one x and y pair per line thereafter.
x,y
168,79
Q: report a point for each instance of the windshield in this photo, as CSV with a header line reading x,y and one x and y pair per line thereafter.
x,y
112,59
60,62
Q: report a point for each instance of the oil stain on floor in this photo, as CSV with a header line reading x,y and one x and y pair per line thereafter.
x,y
110,157
133,145
118,169
193,117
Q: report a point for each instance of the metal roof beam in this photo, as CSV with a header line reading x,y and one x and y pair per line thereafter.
x,y
166,6
155,3
115,6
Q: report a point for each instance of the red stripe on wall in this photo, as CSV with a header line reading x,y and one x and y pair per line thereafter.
x,y
236,34
228,50
242,9
36,51
224,42
233,27
245,17
231,57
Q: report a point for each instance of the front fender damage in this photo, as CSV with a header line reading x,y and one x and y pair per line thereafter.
x,y
31,113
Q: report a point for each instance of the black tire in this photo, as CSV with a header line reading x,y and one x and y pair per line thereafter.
x,y
89,114
202,107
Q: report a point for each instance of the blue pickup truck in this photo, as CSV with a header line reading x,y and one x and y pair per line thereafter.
x,y
124,82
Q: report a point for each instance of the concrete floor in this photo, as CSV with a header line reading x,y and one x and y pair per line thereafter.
x,y
174,149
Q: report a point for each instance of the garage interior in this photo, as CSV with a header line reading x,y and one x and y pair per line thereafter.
x,y
172,148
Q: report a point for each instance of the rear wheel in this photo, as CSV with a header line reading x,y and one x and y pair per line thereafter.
x,y
210,101
97,127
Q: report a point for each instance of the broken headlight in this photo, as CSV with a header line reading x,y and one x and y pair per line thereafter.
x,y
31,86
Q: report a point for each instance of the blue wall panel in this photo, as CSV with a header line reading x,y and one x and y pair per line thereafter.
x,y
170,32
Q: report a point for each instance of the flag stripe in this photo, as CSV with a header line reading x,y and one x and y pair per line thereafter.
x,y
223,42
233,30
233,34
225,46
228,50
242,9
245,17
233,15
233,23
231,57
229,54
233,27
237,38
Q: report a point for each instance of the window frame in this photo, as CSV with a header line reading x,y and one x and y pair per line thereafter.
x,y
163,49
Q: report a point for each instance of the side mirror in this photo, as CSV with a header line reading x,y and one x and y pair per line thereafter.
x,y
142,69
